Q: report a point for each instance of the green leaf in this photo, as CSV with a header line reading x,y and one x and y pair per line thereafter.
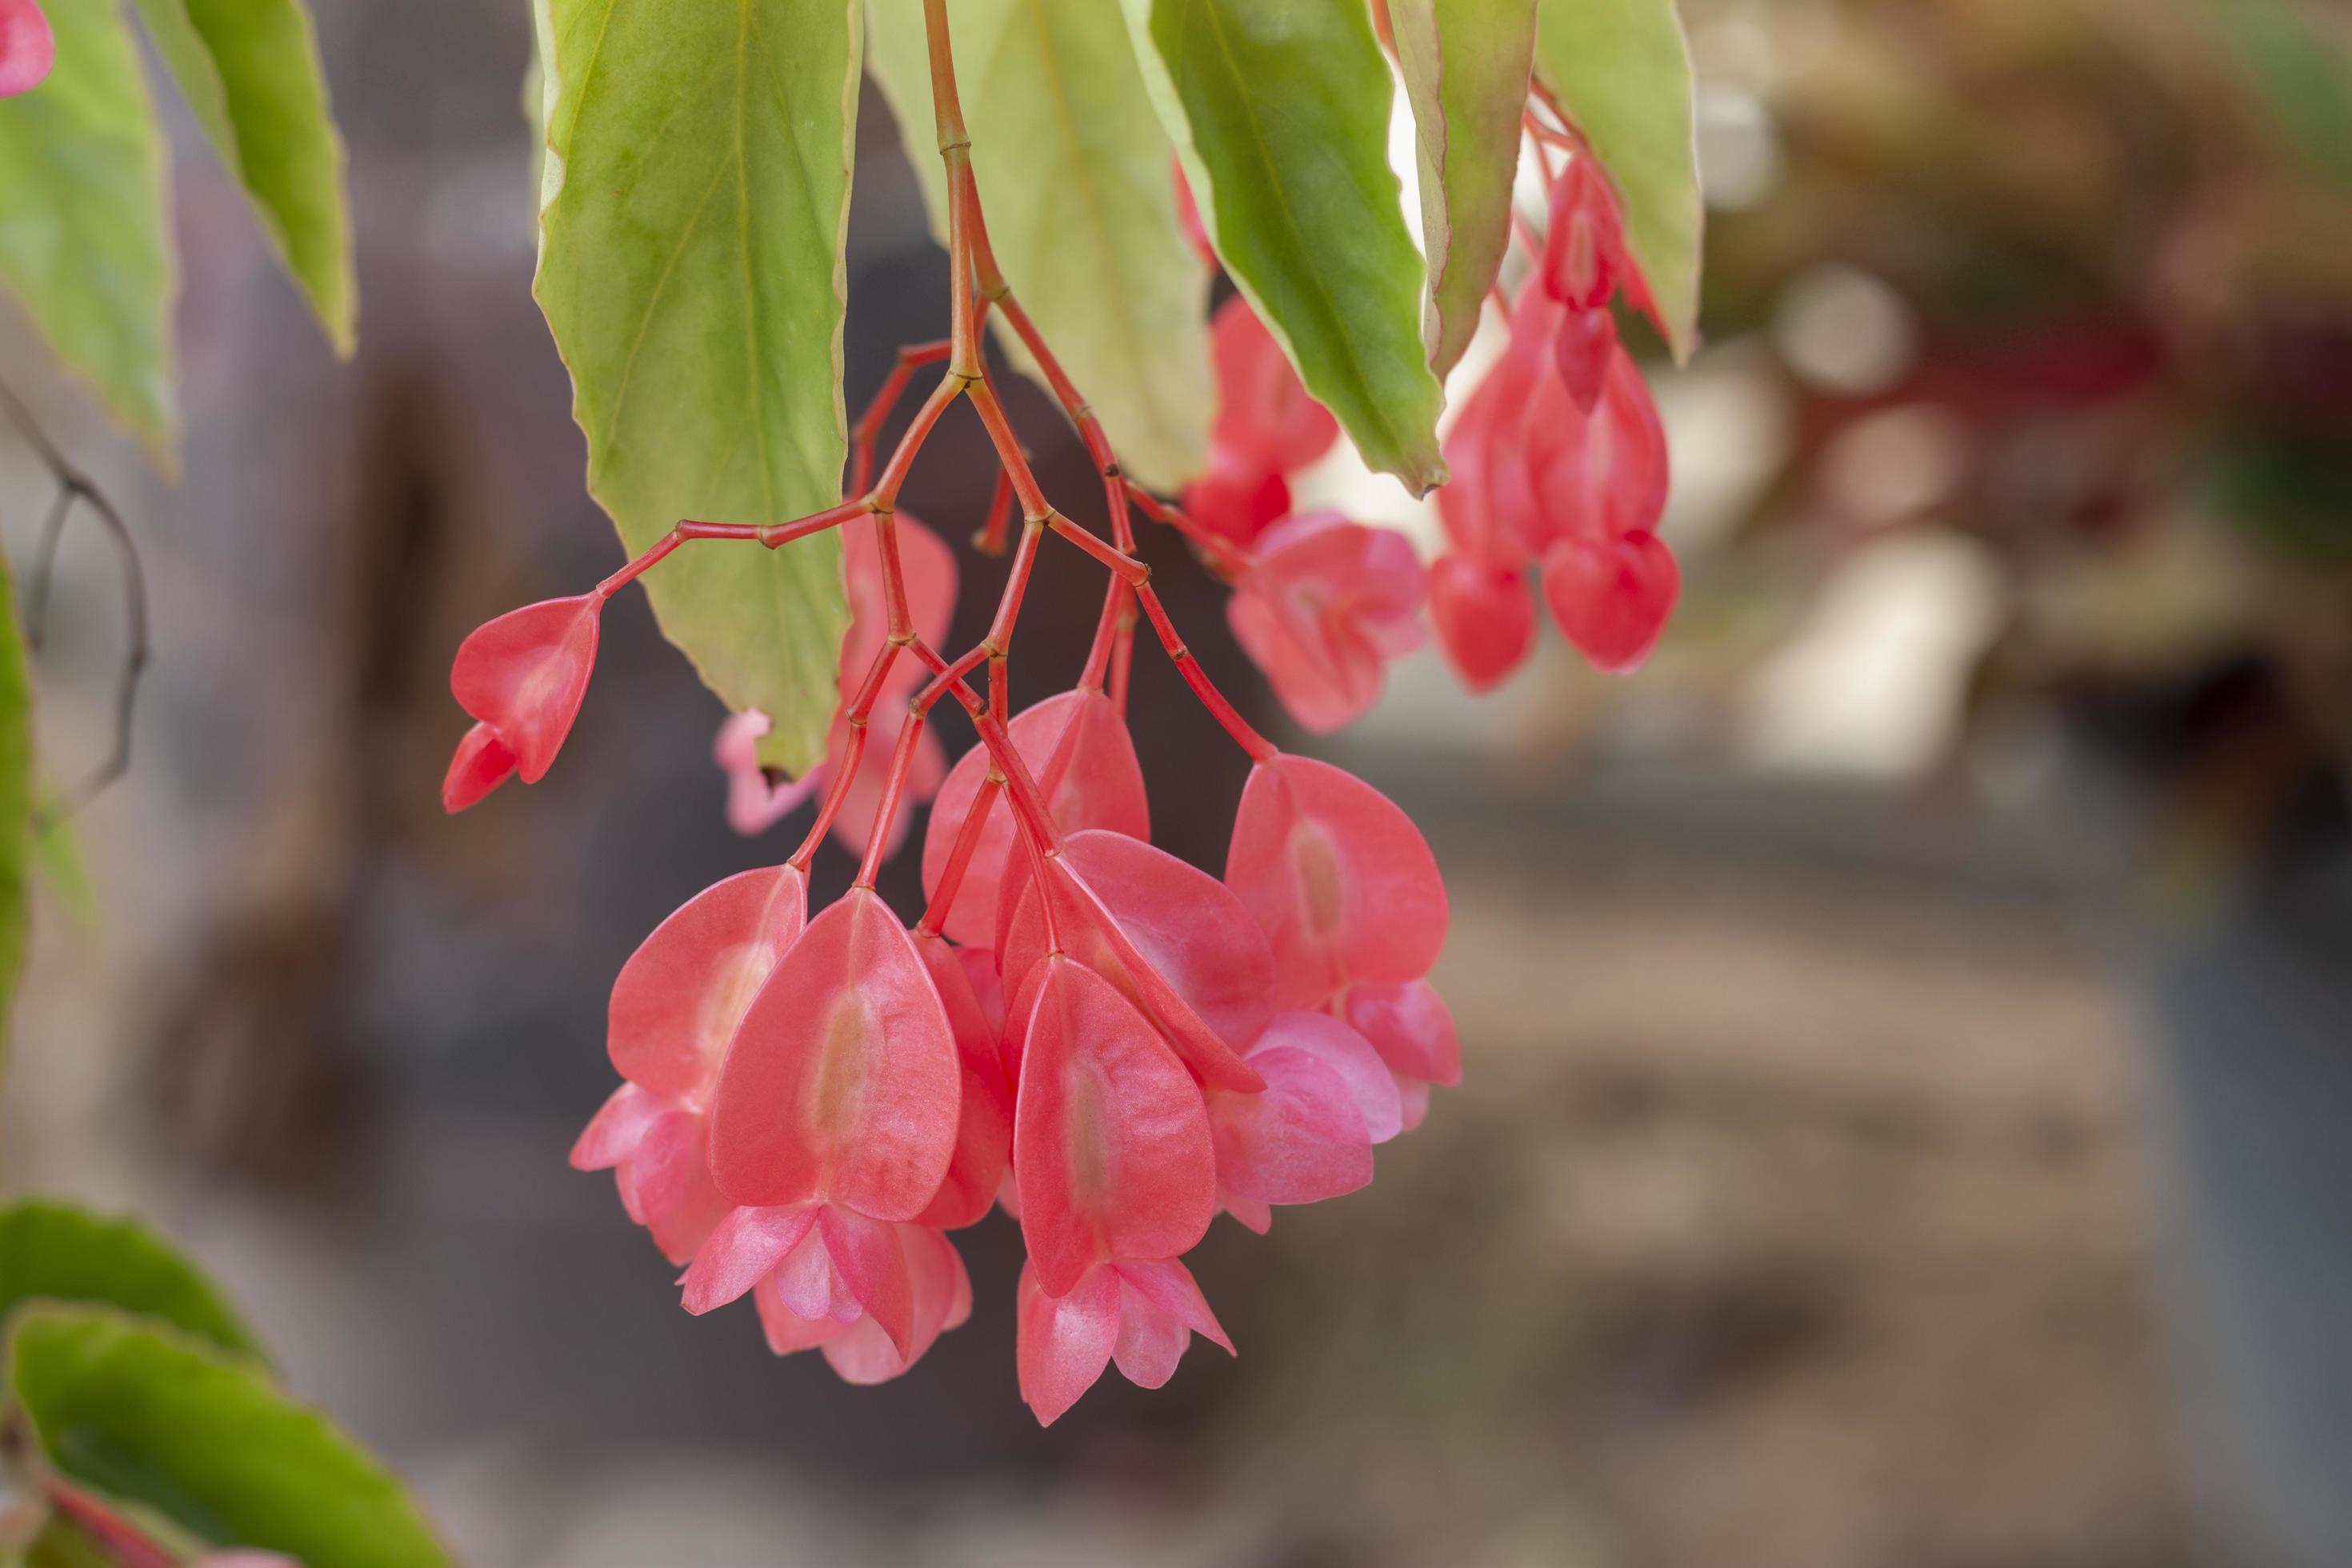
x,y
60,1252
251,72
1466,65
16,836
155,1418
1280,112
1074,172
2302,73
697,194
61,1545
85,228
1621,71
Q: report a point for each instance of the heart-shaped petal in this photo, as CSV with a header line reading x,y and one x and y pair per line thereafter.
x,y
677,1001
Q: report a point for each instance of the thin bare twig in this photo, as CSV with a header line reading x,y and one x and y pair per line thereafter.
x,y
77,488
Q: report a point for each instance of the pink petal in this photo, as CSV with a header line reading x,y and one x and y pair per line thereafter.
x,y
984,1132
1582,348
1168,935
1611,598
480,764
788,1331
804,1284
1064,1342
1236,498
1346,1053
1341,881
1326,603
742,1250
754,804
942,1300
1169,1286
612,1134
869,1262
27,47
1300,1141
1411,1027
1486,619
1110,1142
843,1084
1076,747
1600,477
677,1001
524,675
1413,1100
1584,240
669,1190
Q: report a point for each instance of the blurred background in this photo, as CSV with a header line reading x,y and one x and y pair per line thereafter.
x,y
1909,1029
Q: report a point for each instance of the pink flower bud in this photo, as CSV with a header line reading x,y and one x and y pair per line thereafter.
x,y
1612,596
1486,619
1584,247
27,47
522,676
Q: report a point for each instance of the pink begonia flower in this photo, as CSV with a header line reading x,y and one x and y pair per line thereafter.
x,y
1323,607
522,676
675,1010
1412,1030
1611,598
27,47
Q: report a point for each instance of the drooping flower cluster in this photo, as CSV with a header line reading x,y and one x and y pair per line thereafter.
x,y
1559,461
1106,1042
1109,1042
27,47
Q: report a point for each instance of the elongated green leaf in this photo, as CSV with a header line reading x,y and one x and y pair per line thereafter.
x,y
85,230
61,1545
1075,172
690,265
1466,65
251,72
154,1417
16,836
1280,112
2302,73
1621,71
63,1253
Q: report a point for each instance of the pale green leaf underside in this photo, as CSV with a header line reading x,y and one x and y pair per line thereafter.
x,y
85,229
251,72
1280,112
1466,65
1075,177
696,196
145,1413
1621,70
17,843
59,1252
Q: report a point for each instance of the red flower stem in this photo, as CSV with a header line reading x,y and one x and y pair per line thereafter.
x,y
1127,568
1259,748
1122,653
935,913
868,428
902,758
1107,628
1231,557
123,1541
771,534
1008,449
990,539
885,493
855,716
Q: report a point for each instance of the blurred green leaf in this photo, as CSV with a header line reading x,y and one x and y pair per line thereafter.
x,y
251,72
16,841
2292,493
59,1252
1621,71
155,1418
690,268
1466,65
1280,112
2303,75
61,1545
58,860
1077,176
85,227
